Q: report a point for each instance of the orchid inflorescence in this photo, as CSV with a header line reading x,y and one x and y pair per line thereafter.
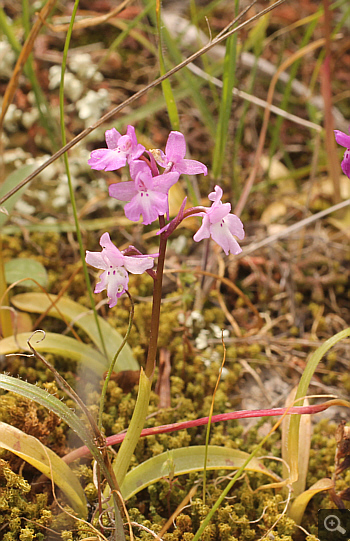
x,y
147,195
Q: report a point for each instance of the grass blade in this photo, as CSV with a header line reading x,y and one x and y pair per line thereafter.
x,y
293,438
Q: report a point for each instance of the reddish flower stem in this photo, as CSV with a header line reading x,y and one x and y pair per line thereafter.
x,y
244,414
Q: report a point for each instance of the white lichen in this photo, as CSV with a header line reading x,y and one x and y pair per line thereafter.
x,y
81,64
7,59
92,105
73,88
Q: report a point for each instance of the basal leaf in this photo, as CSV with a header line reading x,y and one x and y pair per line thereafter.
x,y
43,459
293,435
51,402
82,318
58,344
22,267
187,460
298,507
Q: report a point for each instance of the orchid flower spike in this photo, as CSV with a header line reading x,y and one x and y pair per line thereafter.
x,y
344,140
147,195
121,148
220,225
116,266
174,156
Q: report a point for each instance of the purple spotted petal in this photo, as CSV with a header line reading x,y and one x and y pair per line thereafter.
x,y
221,234
345,164
117,282
150,204
218,212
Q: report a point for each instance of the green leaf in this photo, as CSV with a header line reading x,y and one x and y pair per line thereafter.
x,y
305,432
11,181
43,459
298,507
84,319
293,436
187,460
127,448
21,268
42,397
58,344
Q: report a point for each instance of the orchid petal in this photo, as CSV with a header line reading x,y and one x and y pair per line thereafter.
x,y
110,251
112,137
102,284
216,195
137,167
117,283
130,131
342,139
217,213
204,230
159,157
95,259
163,183
124,191
345,164
190,167
138,265
235,226
106,159
221,234
175,148
150,204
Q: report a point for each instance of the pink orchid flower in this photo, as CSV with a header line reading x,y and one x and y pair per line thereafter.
x,y
116,266
121,148
344,140
220,225
147,195
174,156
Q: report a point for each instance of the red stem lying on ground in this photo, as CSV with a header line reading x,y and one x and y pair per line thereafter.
x,y
244,414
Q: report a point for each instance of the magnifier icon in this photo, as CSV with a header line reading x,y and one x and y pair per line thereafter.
x,y
332,524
